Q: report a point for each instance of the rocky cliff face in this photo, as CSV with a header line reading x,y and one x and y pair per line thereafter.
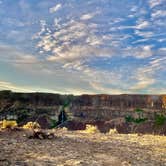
x,y
111,106
82,109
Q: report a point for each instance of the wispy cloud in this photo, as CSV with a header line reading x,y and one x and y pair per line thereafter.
x,y
87,16
158,13
142,24
11,55
55,8
13,87
154,3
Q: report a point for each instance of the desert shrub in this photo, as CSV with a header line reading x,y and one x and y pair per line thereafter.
x,y
91,129
129,118
160,119
22,116
54,123
113,131
138,110
138,120
8,124
31,125
135,120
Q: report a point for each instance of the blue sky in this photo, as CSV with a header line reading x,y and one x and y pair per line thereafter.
x,y
83,46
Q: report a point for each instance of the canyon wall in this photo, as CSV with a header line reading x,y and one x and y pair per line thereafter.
x,y
81,109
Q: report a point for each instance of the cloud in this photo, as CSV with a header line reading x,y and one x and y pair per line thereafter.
x,y
4,85
55,8
144,34
13,87
158,13
163,49
11,55
101,89
143,81
72,41
146,51
87,47
142,25
24,5
144,78
148,75
139,52
87,16
154,3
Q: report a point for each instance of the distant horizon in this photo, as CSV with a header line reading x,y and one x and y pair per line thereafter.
x,y
83,47
83,93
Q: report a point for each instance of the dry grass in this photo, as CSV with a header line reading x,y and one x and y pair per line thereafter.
x,y
8,124
113,131
91,129
31,125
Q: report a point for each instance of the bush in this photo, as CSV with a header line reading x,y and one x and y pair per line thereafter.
x,y
31,125
129,118
160,119
141,119
8,124
91,129
22,115
138,110
54,123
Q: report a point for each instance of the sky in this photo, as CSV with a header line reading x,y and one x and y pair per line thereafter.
x,y
83,46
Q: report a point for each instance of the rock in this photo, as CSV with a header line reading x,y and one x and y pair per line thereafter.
x,y
39,134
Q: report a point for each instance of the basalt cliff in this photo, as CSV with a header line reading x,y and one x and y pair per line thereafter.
x,y
128,113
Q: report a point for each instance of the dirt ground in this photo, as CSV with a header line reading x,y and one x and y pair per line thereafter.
x,y
75,148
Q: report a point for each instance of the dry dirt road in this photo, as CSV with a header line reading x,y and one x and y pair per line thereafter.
x,y
75,148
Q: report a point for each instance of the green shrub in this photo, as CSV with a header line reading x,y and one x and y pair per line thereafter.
x,y
141,119
138,110
160,119
22,116
129,118
54,123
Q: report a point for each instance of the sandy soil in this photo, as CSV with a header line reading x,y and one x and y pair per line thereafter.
x,y
82,149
